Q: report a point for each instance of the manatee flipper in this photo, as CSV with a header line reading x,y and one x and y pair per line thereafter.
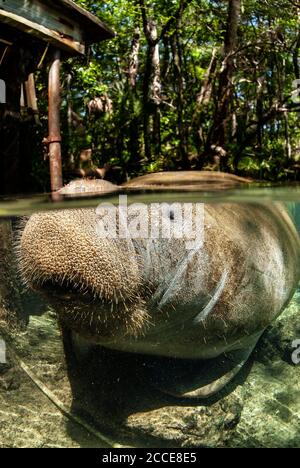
x,y
196,379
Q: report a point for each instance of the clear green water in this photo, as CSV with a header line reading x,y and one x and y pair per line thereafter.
x,y
107,403
261,193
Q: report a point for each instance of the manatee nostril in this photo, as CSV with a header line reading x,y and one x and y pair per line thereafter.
x,y
65,289
54,286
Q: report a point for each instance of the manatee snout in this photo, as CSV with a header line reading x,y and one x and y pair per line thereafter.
x,y
93,282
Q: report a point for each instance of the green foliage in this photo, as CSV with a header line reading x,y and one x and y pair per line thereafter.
x,y
264,72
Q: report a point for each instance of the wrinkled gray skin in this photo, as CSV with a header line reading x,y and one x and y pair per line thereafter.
x,y
158,297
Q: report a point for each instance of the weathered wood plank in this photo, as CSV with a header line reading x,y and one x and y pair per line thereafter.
x,y
95,28
42,14
4,41
63,17
42,32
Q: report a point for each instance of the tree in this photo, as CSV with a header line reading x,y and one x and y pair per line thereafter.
x,y
218,135
186,84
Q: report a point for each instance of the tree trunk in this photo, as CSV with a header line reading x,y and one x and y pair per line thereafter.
x,y
152,93
155,89
218,136
134,58
152,79
71,159
202,100
288,146
134,143
146,106
179,87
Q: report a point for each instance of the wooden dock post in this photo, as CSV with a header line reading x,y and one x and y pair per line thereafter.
x,y
54,138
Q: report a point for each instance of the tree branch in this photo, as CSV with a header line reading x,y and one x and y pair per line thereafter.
x,y
183,4
293,2
146,28
166,28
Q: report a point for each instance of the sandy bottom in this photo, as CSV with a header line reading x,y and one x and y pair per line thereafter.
x,y
105,401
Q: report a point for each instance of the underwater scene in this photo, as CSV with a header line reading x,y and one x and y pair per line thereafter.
x,y
163,316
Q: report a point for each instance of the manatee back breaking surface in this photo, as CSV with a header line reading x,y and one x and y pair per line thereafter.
x,y
82,186
199,180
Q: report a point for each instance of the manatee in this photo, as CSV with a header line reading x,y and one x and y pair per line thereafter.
x,y
82,186
194,309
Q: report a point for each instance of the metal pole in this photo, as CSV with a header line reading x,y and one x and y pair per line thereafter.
x,y
54,139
